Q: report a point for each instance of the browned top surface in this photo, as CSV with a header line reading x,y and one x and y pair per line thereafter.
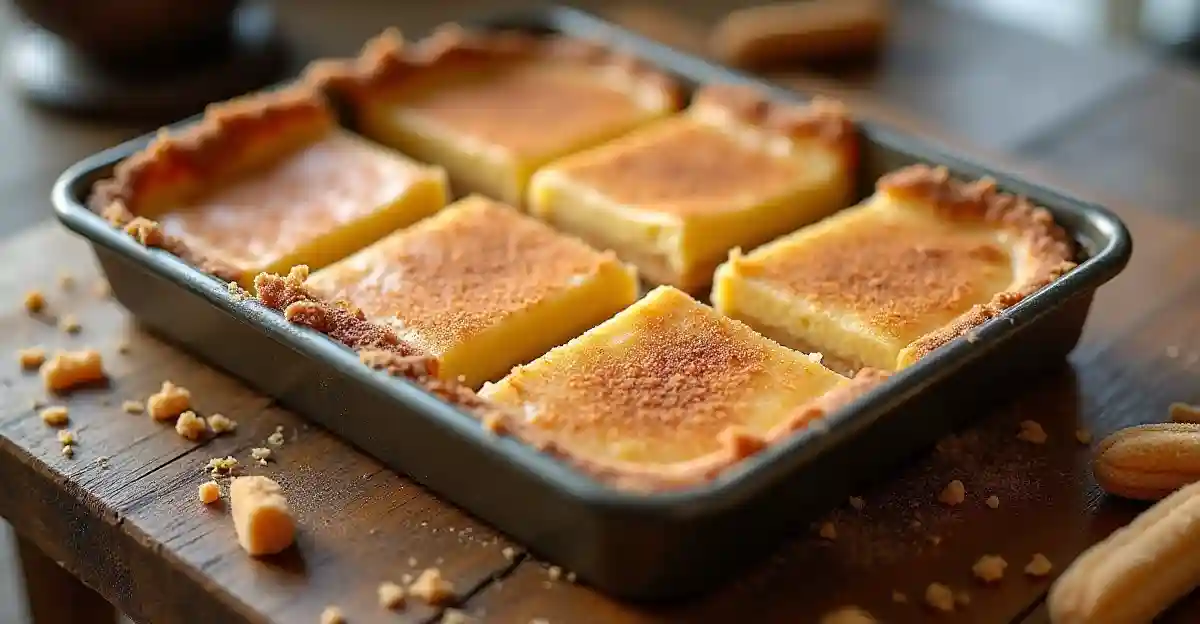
x,y
528,110
901,277
459,272
683,167
660,381
311,193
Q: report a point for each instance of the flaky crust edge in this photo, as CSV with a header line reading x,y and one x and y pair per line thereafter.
x,y
229,135
737,444
1051,251
822,119
388,59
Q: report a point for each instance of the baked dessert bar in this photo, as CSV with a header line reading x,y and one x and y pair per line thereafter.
x,y
481,287
674,197
266,182
493,106
924,260
667,393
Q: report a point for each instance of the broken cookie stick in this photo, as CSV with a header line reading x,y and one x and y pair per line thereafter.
x,y
260,515
1138,571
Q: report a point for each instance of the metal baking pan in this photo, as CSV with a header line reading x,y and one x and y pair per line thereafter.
x,y
630,545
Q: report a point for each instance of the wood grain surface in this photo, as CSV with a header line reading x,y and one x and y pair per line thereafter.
x,y
122,514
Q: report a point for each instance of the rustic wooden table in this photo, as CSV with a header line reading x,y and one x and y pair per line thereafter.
x,y
121,515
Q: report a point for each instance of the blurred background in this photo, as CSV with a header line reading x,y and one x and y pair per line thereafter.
x,y
1102,91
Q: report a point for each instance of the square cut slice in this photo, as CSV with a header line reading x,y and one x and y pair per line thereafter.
x,y
674,197
481,287
267,182
666,393
924,260
492,107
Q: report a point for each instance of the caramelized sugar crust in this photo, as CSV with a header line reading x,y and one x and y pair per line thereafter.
x,y
233,135
824,119
684,168
388,60
461,271
1047,252
675,399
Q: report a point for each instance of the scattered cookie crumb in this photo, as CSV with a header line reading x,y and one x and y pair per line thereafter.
x,y
406,579
35,301
261,455
66,437
1032,432
170,401
939,597
261,517
31,358
67,370
431,587
899,597
828,531
412,561
133,407
993,501
391,595
124,348
219,424
68,451
962,599
509,553
191,426
276,439
145,231
857,503
848,615
66,281
1083,436
70,324
210,492
953,494
332,615
454,616
56,416
554,572
1172,352
935,539
815,357
218,465
1184,413
989,568
571,577
1039,565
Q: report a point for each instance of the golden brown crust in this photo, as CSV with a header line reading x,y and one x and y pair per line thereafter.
x,y
288,294
233,136
822,119
736,443
1043,244
388,59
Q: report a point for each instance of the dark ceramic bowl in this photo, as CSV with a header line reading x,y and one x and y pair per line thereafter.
x,y
125,31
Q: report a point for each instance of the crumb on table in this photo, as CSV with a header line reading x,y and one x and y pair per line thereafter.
x,y
66,281
66,437
391,595
68,450
899,597
953,494
70,324
828,531
848,615
509,553
276,439
261,517
962,598
939,597
332,615
454,616
31,358
191,426
218,465
55,416
209,492
69,369
219,423
170,401
993,501
1083,436
1032,432
989,568
1039,565
133,407
35,301
260,454
431,587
